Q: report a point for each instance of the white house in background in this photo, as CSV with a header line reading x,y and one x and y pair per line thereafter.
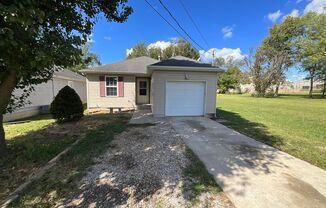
x,y
41,98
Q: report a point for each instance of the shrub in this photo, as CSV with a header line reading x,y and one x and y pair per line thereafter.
x,y
67,105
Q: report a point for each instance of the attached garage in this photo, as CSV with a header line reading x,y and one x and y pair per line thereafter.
x,y
183,87
185,98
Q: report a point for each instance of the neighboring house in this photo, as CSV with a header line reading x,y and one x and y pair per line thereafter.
x,y
305,85
42,96
178,86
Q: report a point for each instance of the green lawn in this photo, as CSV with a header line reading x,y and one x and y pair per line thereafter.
x,y
61,180
32,143
293,123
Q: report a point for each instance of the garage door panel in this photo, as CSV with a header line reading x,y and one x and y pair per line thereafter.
x,y
184,98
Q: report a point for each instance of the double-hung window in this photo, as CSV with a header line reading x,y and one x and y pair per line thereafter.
x,y
111,86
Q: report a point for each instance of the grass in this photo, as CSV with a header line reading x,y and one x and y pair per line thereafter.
x,y
293,123
60,182
29,148
20,129
32,145
203,181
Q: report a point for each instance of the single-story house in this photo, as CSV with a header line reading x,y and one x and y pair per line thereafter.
x,y
43,94
178,86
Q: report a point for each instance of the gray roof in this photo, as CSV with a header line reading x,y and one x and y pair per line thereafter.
x,y
128,66
66,73
182,61
145,65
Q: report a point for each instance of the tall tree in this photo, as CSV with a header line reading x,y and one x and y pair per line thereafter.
x,y
88,59
184,48
278,48
321,76
177,48
36,36
311,46
233,76
138,50
262,72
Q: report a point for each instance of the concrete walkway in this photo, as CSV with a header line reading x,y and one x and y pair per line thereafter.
x,y
250,173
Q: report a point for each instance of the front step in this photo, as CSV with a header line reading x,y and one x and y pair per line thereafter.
x,y
144,107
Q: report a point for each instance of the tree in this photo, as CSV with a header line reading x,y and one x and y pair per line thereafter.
x,y
229,80
67,105
155,53
88,59
233,76
261,69
184,48
36,36
177,48
321,76
279,44
138,50
311,46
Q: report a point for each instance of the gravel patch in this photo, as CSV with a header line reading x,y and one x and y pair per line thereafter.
x,y
142,168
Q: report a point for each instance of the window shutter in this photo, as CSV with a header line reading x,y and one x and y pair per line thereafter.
x,y
120,86
102,86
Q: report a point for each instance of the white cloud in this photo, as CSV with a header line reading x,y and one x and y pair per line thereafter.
x,y
129,51
315,6
293,13
90,38
227,32
235,53
160,44
107,38
274,16
299,1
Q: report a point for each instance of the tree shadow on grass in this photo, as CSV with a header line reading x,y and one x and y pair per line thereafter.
x,y
32,149
255,130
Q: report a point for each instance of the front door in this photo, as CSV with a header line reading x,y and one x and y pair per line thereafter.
x,y
142,90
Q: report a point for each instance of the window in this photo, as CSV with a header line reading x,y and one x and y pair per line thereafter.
x,y
111,86
142,88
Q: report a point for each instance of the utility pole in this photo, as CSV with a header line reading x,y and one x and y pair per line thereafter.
x,y
213,61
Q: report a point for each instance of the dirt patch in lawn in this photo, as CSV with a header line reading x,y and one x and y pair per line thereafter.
x,y
144,167
33,149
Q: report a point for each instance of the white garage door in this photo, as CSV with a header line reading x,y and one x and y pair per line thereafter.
x,y
184,98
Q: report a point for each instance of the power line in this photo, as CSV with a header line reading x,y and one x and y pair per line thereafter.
x,y
165,19
193,22
180,25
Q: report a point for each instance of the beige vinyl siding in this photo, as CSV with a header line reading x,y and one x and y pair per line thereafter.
x,y
159,79
43,95
96,101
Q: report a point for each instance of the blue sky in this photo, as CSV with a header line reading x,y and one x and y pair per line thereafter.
x,y
230,27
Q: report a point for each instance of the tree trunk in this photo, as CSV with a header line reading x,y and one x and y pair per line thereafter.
x,y
311,86
324,89
3,146
276,89
8,84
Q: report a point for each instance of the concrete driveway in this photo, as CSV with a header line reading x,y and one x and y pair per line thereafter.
x,y
251,173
